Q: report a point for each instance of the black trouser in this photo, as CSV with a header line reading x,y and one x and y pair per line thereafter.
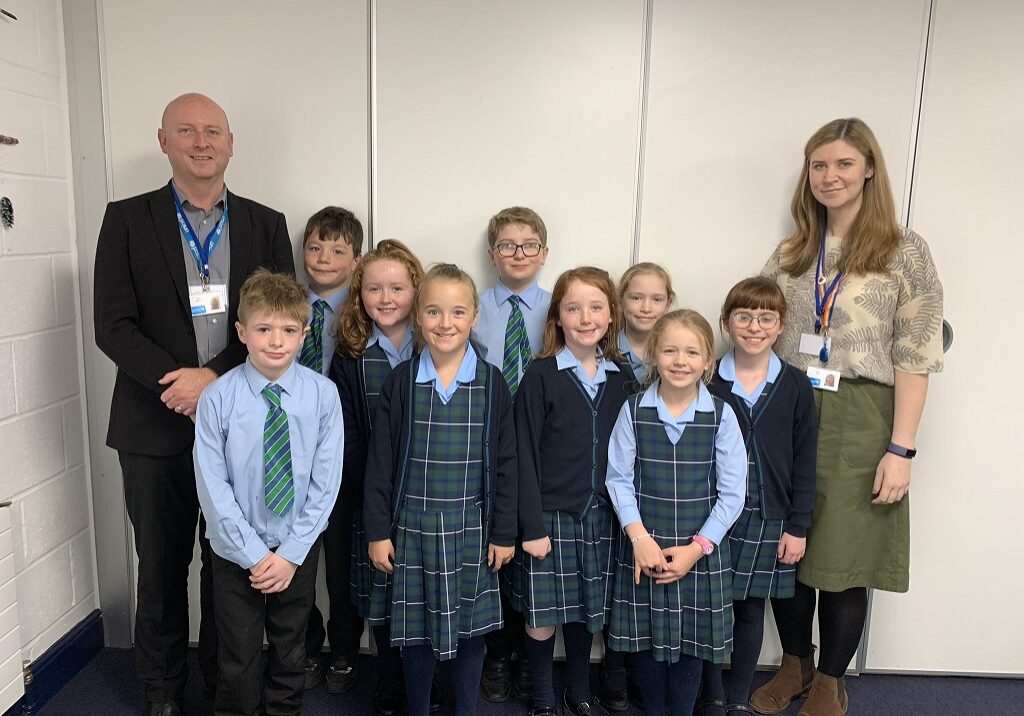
x,y
242,615
503,643
344,625
160,494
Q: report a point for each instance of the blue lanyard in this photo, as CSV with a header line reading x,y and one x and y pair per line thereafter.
x,y
201,252
824,296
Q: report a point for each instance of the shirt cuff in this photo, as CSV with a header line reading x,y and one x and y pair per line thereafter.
x,y
714,530
628,515
294,550
250,555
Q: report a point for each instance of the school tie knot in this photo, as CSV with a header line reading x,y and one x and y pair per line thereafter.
x,y
272,392
312,353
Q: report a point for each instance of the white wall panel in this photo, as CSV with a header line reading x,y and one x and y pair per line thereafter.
x,y
486,105
736,89
963,610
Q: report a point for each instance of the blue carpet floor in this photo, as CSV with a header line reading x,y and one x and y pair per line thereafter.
x,y
108,687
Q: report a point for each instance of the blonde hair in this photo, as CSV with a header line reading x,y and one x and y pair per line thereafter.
x,y
687,318
554,336
642,268
354,324
442,272
872,239
275,293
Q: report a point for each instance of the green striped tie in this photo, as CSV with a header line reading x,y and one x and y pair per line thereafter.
x,y
517,345
312,354
278,486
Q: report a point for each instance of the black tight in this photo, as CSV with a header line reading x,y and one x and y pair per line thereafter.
x,y
841,617
667,688
747,635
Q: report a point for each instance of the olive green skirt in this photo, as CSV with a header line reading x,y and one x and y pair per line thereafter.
x,y
851,542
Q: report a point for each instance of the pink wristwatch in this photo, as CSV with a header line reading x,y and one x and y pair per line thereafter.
x,y
705,544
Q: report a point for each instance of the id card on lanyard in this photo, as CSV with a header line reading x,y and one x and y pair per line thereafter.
x,y
819,343
201,251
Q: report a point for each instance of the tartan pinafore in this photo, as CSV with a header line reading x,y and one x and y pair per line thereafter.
x,y
574,582
442,589
374,368
676,489
754,541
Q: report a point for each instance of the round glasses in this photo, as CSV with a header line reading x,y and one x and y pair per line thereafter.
x,y
742,319
530,249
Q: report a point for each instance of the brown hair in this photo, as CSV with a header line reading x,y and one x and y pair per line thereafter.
x,y
755,292
354,325
688,319
554,336
275,293
516,215
646,267
332,223
875,233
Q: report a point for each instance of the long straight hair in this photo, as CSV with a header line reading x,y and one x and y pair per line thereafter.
x,y
554,336
875,233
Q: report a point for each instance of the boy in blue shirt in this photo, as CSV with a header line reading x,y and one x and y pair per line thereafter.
x,y
268,454
508,333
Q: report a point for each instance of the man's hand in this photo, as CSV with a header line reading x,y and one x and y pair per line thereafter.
x,y
186,385
272,574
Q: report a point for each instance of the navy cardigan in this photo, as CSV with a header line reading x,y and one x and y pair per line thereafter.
x,y
786,440
387,460
561,466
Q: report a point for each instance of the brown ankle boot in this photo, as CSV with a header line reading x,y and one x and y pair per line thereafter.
x,y
791,681
827,697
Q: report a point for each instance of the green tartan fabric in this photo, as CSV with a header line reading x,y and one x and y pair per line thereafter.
x,y
375,368
574,582
442,589
754,541
676,487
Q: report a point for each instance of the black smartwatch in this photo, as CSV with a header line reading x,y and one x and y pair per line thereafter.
x,y
901,451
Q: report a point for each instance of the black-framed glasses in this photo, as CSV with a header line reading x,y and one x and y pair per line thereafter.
x,y
742,319
507,249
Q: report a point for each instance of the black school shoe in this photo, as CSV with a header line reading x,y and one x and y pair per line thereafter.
x,y
166,708
388,698
496,680
541,711
313,672
583,708
341,676
613,700
522,679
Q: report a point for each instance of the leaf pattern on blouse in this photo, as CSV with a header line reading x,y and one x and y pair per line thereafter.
x,y
881,322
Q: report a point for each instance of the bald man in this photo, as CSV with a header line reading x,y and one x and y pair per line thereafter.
x,y
169,265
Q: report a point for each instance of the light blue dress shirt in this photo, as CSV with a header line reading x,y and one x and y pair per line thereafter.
x,y
330,336
228,457
637,363
427,373
404,352
489,334
565,360
727,369
730,459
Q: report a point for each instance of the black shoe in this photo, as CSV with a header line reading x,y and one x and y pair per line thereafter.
x,y
313,672
614,700
580,709
710,707
166,708
341,676
388,699
635,696
496,680
522,680
541,711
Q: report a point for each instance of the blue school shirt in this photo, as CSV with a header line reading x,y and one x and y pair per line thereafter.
x,y
228,457
727,369
394,356
730,460
489,334
635,362
565,360
427,373
330,335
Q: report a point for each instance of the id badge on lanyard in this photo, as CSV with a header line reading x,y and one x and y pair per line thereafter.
x,y
820,343
201,251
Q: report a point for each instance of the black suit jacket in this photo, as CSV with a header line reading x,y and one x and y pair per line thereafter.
x,y
143,321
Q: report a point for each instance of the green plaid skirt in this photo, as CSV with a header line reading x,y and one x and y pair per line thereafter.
x,y
572,583
754,544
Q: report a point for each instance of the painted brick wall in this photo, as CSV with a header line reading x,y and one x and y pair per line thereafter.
x,y
42,442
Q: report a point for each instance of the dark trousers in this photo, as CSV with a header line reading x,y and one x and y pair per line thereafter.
x,y
160,494
344,625
503,643
243,613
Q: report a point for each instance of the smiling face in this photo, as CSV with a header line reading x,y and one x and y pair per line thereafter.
x,y
445,315
681,358
584,316
518,270
836,174
195,137
747,333
644,301
387,294
273,341
327,263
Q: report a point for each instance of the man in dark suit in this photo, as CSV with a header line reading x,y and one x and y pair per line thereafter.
x,y
169,266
